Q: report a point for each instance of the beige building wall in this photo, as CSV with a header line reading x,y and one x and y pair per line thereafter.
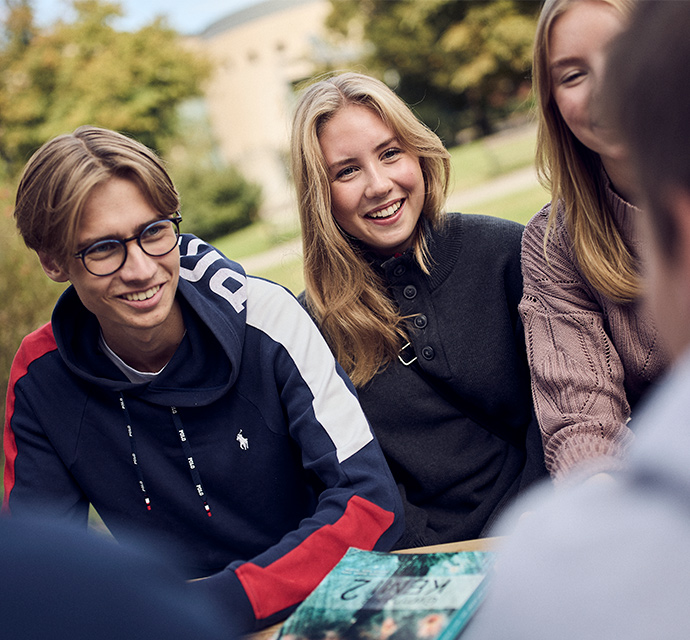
x,y
258,54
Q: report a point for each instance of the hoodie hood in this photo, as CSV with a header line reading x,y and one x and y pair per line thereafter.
x,y
190,378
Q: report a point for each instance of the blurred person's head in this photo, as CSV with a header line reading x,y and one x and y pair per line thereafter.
x,y
568,65
647,96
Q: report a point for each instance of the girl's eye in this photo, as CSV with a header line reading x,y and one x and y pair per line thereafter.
x,y
389,154
571,77
345,173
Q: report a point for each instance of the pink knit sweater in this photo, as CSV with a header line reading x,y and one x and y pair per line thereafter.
x,y
590,357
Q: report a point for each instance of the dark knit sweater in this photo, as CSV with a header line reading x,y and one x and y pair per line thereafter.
x,y
455,475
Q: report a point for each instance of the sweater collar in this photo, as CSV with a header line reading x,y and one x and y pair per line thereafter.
x,y
443,241
625,216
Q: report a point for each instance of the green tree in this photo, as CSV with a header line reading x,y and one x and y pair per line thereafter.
x,y
86,72
461,63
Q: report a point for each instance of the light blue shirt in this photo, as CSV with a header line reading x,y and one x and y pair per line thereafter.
x,y
606,559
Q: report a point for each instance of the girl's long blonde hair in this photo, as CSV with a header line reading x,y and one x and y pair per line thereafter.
x,y
574,175
348,299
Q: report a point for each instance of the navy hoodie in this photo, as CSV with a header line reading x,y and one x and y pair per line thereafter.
x,y
248,458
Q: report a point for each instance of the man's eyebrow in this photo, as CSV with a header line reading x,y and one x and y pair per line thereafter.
x,y
85,244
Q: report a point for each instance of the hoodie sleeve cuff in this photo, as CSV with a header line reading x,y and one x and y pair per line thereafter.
x,y
226,593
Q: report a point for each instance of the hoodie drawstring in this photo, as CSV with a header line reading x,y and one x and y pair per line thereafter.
x,y
133,445
196,477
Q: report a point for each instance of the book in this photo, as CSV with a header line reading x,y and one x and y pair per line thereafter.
x,y
371,595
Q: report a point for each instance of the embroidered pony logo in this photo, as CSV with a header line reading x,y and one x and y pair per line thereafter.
x,y
244,442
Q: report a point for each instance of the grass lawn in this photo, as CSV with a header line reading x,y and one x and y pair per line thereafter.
x,y
488,158
519,206
288,273
254,239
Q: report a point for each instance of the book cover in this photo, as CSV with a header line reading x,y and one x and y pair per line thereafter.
x,y
386,596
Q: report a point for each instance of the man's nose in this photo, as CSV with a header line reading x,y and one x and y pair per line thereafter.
x,y
138,265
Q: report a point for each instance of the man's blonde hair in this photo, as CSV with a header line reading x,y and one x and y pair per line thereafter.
x,y
59,178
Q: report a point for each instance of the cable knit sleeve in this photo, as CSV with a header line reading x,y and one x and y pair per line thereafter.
x,y
577,374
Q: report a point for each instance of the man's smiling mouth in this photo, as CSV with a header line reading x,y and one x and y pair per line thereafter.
x,y
142,295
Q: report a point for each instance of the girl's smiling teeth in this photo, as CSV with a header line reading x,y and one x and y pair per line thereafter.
x,y
387,212
142,295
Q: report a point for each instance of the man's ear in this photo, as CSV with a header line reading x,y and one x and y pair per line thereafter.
x,y
53,270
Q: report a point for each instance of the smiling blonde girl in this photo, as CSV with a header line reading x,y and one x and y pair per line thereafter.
x,y
419,306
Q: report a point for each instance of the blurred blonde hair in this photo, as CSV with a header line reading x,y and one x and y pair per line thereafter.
x,y
345,295
59,178
574,175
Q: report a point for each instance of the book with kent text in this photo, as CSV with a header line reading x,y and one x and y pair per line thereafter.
x,y
387,596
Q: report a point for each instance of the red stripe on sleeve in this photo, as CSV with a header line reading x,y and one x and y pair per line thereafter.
x,y
34,346
293,577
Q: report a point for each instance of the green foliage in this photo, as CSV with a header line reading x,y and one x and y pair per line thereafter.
x,y
55,79
462,64
216,201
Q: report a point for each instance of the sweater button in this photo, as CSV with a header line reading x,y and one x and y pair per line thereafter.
x,y
399,270
410,291
420,321
428,353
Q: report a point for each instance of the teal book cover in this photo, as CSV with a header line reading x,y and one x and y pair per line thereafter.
x,y
387,596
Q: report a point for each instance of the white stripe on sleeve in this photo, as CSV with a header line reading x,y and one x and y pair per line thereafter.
x,y
275,312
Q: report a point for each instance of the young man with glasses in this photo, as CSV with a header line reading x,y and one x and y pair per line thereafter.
x,y
189,403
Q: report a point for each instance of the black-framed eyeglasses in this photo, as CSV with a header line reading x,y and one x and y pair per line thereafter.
x,y
105,257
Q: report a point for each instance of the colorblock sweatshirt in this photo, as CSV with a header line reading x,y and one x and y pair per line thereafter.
x,y
248,458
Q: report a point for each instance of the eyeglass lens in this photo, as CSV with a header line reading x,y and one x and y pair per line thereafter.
x,y
107,256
